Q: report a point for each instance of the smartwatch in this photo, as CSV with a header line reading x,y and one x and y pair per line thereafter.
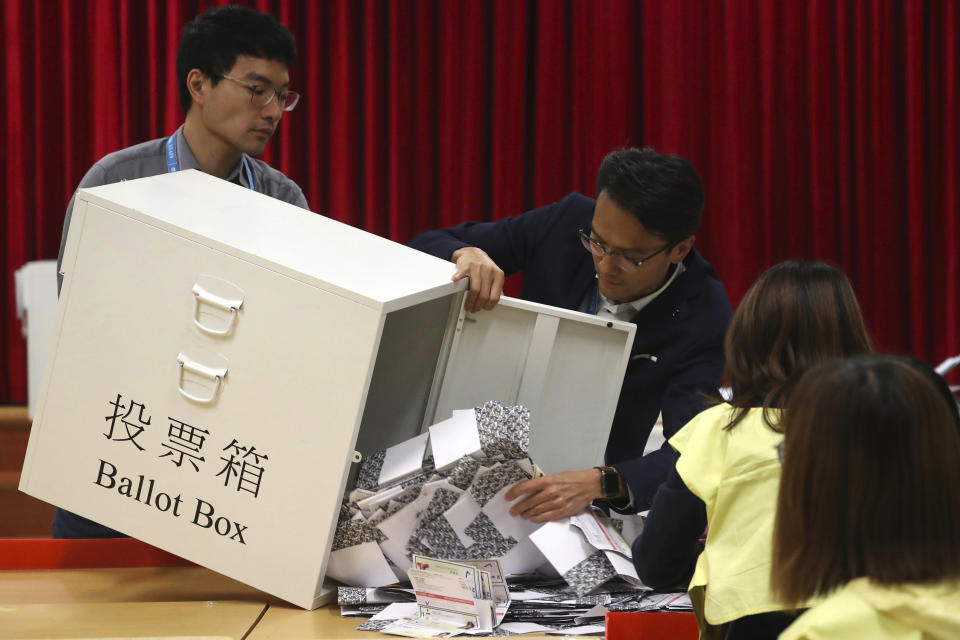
x,y
609,482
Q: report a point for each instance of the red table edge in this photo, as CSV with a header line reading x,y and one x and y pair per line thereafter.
x,y
107,553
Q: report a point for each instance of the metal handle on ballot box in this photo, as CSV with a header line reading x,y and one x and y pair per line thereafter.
x,y
184,363
225,304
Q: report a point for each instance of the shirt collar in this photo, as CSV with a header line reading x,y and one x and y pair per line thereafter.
x,y
614,309
186,160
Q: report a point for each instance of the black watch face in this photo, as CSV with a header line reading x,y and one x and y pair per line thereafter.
x,y
610,482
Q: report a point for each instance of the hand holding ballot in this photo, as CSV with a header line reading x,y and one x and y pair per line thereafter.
x,y
555,496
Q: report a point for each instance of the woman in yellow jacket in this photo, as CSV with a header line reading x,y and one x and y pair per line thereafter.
x,y
794,317
869,507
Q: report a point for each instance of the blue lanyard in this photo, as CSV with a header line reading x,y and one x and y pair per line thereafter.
x,y
173,166
594,300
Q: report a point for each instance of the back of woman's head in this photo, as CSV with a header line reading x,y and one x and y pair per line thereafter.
x,y
794,317
871,478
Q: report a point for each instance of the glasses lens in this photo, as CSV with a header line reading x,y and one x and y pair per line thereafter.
x,y
624,263
590,245
260,100
289,100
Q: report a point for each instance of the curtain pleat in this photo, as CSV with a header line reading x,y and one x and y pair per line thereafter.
x,y
19,236
510,106
822,130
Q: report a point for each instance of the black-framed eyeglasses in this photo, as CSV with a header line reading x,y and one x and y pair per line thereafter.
x,y
261,96
625,263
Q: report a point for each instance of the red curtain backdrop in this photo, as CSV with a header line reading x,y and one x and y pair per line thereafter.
x,y
822,129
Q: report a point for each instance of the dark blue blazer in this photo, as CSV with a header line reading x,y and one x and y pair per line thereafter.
x,y
683,327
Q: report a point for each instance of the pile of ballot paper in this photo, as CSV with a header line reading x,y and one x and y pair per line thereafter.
x,y
544,607
440,496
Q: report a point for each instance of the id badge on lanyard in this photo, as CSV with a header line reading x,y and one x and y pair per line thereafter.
x,y
173,166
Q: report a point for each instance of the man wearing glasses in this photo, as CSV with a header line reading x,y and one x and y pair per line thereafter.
x,y
232,67
233,82
627,255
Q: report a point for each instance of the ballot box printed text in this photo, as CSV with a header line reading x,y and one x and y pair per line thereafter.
x,y
241,466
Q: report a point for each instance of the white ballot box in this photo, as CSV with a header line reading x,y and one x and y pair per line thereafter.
x,y
221,359
36,288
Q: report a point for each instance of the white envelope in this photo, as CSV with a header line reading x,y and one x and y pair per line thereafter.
x,y
403,459
454,438
599,532
562,544
361,565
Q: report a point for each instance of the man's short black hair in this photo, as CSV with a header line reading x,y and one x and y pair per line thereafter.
x,y
212,41
663,191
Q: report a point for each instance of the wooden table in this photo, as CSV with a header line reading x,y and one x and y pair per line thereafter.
x,y
157,602
104,620
111,589
60,589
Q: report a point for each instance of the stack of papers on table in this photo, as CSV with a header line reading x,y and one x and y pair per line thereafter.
x,y
653,602
453,598
545,607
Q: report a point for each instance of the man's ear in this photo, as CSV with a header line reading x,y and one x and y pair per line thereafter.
x,y
681,249
196,86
